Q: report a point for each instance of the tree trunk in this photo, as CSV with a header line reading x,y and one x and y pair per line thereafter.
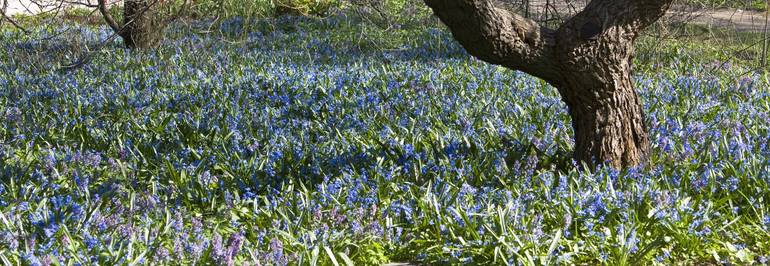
x,y
588,59
143,29
142,26
609,125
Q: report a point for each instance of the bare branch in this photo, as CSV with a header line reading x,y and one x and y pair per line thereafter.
x,y
79,3
88,57
117,32
3,8
10,20
108,18
623,17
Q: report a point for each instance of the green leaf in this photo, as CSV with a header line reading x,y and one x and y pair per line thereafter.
x,y
554,242
346,259
138,259
745,256
331,256
314,256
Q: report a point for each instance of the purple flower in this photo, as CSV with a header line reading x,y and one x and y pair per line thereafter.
x,y
31,260
217,250
50,230
233,247
632,241
467,190
91,242
161,254
9,239
276,252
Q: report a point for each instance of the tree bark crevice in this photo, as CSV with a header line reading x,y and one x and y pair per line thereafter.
x,y
611,129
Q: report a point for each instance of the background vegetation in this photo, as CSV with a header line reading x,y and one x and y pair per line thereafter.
x,y
745,4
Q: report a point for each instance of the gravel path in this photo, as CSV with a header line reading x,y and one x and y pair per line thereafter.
x,y
21,7
741,20
34,7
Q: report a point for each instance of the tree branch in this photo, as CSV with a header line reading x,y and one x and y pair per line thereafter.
x,y
82,61
605,25
13,22
501,37
3,7
498,36
624,17
108,18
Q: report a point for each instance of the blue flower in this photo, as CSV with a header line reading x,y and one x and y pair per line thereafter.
x,y
91,242
276,252
31,260
50,230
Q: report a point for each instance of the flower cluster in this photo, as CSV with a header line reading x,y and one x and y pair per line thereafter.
x,y
297,145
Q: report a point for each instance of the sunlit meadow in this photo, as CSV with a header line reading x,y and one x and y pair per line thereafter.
x,y
297,144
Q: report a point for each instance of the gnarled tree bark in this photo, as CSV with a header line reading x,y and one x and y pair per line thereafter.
x,y
588,59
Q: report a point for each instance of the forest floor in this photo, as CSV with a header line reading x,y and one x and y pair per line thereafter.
x,y
297,140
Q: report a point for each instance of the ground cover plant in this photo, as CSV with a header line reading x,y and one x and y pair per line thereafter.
x,y
299,144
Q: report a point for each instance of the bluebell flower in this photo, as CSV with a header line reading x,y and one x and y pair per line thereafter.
x,y
31,260
50,230
161,255
91,242
9,239
276,252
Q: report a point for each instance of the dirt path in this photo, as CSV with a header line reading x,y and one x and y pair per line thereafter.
x,y
20,7
741,20
34,7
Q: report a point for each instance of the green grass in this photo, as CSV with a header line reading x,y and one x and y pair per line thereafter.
x,y
760,5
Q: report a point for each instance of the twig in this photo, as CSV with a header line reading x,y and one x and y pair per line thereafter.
x,y
185,6
738,51
10,20
89,56
765,34
118,32
3,7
